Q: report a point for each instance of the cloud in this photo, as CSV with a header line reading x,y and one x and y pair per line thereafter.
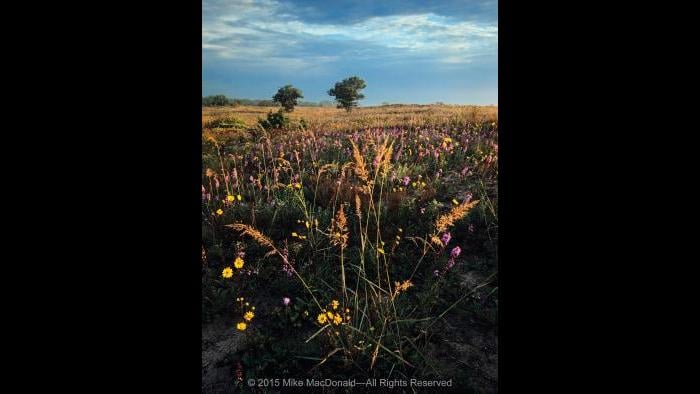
x,y
354,11
306,38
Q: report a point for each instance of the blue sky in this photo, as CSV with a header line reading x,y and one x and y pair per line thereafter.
x,y
407,51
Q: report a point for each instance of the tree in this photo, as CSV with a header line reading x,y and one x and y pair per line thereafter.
x,y
347,93
217,101
287,96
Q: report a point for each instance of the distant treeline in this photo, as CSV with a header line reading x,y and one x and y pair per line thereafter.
x,y
220,100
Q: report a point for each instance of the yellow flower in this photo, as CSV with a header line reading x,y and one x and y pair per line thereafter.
x,y
294,234
403,286
380,250
455,202
228,272
249,316
240,197
335,304
322,318
230,198
241,326
337,320
448,139
330,315
238,263
297,185
219,211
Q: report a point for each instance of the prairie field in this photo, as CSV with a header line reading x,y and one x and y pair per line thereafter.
x,y
350,245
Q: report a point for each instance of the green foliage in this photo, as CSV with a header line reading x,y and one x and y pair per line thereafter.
x,y
287,96
218,100
347,93
226,123
275,121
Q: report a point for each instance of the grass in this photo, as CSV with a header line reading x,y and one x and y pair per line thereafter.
x,y
379,226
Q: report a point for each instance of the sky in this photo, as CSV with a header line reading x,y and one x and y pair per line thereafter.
x,y
407,51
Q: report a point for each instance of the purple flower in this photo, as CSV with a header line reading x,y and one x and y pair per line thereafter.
x,y
446,238
406,180
286,301
455,252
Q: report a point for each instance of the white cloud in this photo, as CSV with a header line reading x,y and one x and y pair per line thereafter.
x,y
259,31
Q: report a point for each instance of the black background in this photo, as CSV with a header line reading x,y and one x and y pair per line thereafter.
x,y
103,178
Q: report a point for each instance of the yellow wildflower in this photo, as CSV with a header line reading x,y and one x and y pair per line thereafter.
x,y
322,318
294,234
455,202
239,197
335,304
249,316
219,211
297,185
228,272
330,315
380,250
241,326
337,320
230,198
238,263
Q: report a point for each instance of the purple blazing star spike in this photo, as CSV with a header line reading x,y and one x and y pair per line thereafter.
x,y
406,180
446,238
286,301
455,252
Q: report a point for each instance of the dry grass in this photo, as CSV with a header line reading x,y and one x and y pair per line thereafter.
x,y
326,118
